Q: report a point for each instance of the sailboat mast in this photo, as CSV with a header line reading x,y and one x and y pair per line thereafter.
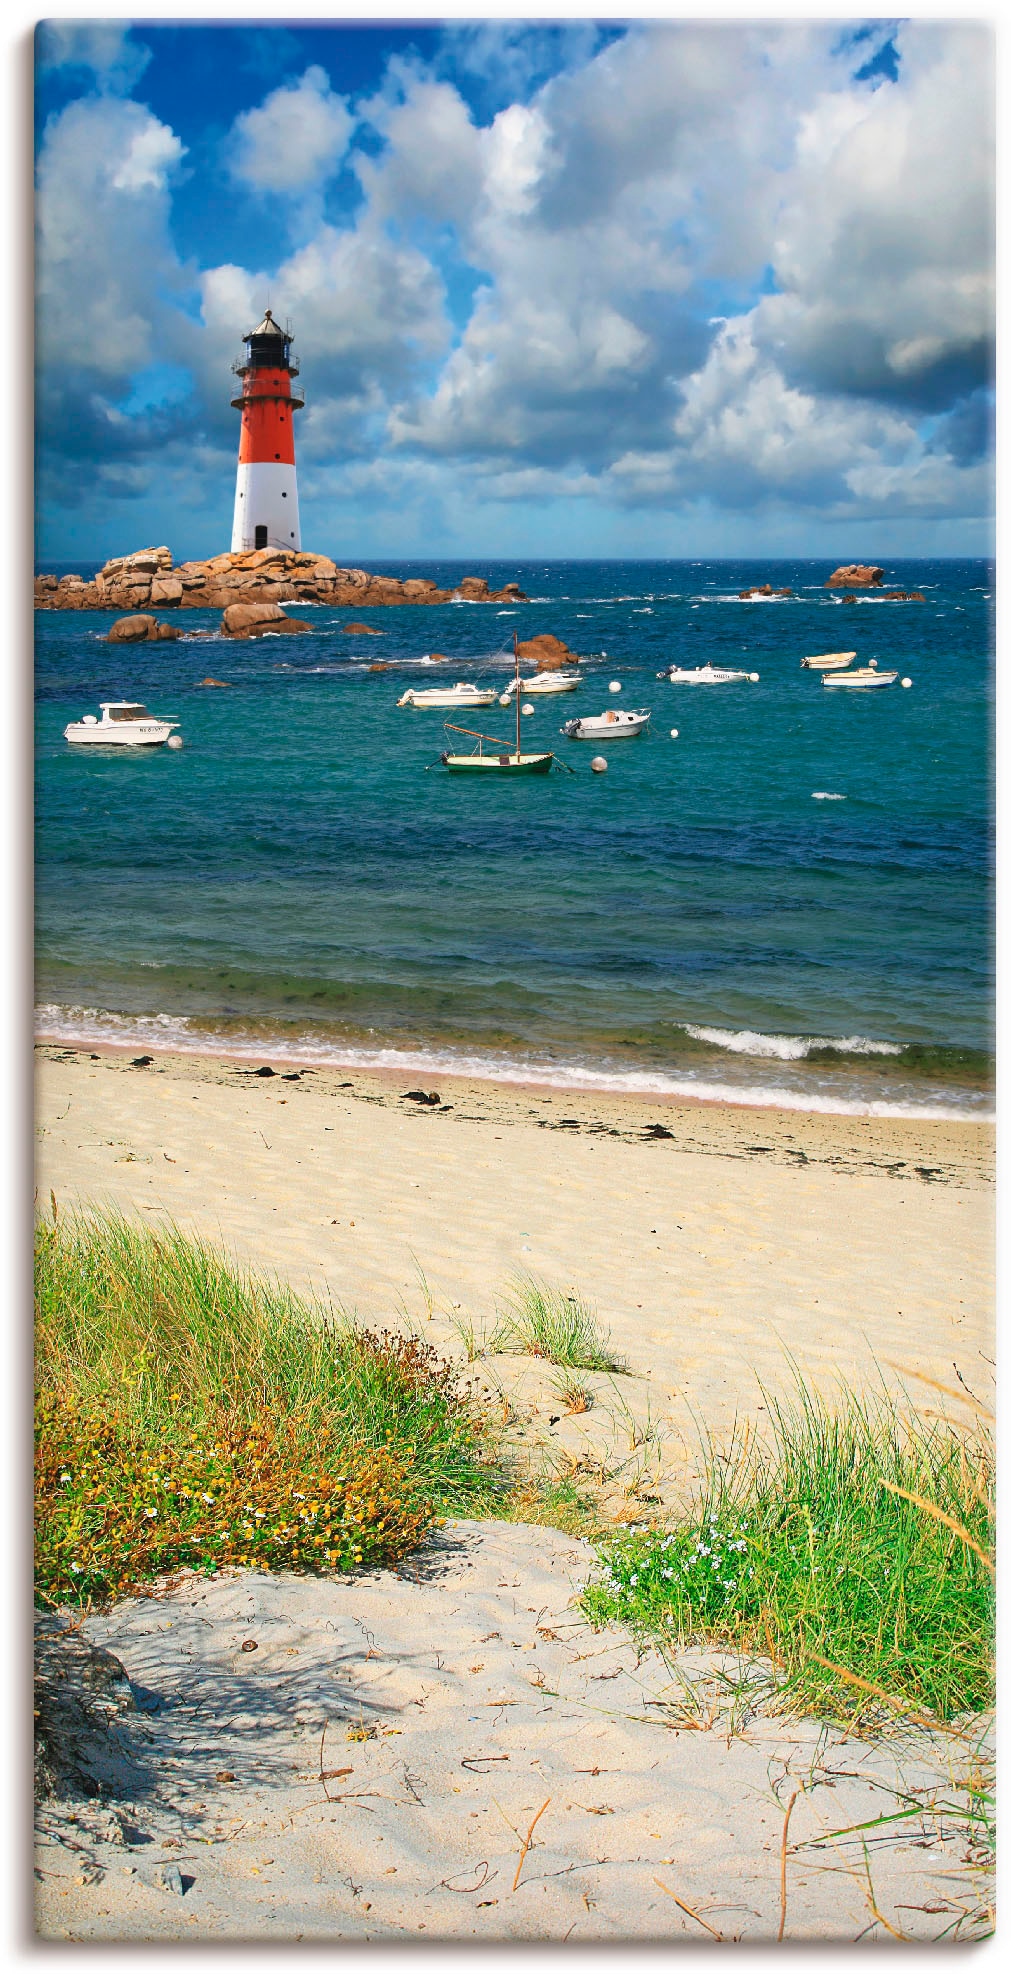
x,y
516,655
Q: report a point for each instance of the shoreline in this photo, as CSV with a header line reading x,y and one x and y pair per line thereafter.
x,y
644,1087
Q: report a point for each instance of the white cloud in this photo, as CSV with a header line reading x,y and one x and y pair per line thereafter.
x,y
294,139
103,47
103,246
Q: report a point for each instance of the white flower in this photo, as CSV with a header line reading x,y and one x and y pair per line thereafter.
x,y
633,1579
151,1513
65,1477
208,1497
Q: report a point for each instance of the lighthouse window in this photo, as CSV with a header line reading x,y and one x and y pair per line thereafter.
x,y
284,496
261,538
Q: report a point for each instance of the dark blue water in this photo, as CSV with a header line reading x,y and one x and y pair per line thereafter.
x,y
301,877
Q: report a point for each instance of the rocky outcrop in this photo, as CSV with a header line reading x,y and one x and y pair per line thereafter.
x,y
263,575
548,653
362,630
763,589
902,596
220,682
257,619
855,575
141,630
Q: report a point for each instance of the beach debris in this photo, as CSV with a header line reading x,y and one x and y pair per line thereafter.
x,y
141,1062
225,1775
598,765
249,1645
166,1878
690,1910
421,1097
265,1071
528,1839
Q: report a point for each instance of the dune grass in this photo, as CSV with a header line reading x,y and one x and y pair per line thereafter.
x,y
855,1550
189,1414
539,1321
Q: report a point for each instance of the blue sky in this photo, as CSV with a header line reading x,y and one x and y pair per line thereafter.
x,y
572,288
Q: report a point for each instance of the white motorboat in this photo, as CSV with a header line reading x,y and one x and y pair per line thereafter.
x,y
828,661
544,682
863,678
706,675
123,724
612,725
461,694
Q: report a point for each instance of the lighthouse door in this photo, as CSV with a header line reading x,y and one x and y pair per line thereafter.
x,y
260,538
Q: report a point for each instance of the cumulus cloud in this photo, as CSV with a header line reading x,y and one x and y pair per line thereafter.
x,y
696,263
295,138
104,48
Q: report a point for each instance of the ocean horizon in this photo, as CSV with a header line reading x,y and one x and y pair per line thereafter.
x,y
790,903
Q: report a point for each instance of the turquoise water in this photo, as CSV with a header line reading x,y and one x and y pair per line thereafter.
x,y
790,900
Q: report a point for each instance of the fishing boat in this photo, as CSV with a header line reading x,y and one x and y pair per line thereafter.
x,y
123,724
492,756
612,725
461,694
706,675
544,682
864,678
828,661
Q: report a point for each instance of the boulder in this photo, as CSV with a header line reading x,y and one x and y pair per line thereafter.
x,y
166,589
362,630
902,596
220,682
254,619
855,575
141,629
763,589
548,653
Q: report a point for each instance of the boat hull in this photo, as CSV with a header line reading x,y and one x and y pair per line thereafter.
x,y
498,764
876,682
445,701
99,736
604,735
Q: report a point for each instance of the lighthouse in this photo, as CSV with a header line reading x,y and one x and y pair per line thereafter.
x,y
266,491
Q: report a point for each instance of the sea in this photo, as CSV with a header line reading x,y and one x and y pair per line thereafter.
x,y
779,895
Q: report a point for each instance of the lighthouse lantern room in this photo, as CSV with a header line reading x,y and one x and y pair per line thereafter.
x,y
266,491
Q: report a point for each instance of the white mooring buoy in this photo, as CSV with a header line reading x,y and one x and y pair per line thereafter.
x,y
906,682
673,733
528,708
503,699
174,740
615,685
598,765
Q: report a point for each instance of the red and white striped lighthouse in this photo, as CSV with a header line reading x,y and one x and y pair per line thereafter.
x,y
266,490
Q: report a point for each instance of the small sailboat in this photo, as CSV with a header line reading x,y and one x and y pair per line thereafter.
x,y
461,694
706,675
864,678
612,725
828,661
492,756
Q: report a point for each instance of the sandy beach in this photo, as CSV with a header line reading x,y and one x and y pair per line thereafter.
x,y
300,1758
717,1244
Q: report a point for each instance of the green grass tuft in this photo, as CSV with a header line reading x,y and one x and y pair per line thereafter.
x,y
191,1414
545,1322
870,1604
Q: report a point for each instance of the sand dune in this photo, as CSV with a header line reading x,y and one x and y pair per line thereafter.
x,y
391,1742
